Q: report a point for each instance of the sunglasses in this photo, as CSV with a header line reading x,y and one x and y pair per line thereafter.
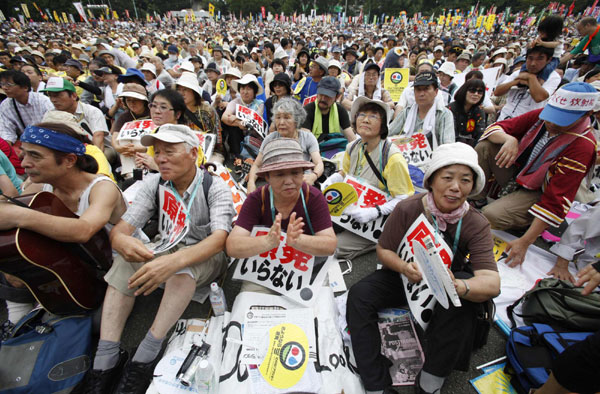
x,y
478,91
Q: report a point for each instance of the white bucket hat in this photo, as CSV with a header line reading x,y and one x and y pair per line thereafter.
x,y
186,66
189,80
448,68
247,79
456,153
234,72
149,67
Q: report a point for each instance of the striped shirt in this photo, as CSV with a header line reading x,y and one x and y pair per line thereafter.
x,y
11,126
205,217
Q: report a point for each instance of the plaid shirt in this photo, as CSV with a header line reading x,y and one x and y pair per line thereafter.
x,y
31,113
205,217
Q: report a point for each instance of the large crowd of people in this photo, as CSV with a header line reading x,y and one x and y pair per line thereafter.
x,y
501,127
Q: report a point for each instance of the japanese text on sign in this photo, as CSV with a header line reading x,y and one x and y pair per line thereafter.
x,y
416,149
172,220
368,196
236,191
136,129
419,296
207,142
253,120
309,100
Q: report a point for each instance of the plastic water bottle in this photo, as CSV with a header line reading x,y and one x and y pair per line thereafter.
x,y
205,380
217,299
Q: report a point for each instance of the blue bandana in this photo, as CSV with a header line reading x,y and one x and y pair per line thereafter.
x,y
53,140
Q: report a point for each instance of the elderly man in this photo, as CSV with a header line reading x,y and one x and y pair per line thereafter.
x,y
325,115
368,84
64,98
539,159
306,88
199,208
22,107
525,91
588,28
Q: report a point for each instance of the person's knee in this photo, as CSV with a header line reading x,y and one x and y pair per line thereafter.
x,y
360,294
498,219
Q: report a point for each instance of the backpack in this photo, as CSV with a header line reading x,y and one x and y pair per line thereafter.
x,y
560,304
46,353
530,351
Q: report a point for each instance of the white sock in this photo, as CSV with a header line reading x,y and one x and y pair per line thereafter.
x,y
16,310
431,383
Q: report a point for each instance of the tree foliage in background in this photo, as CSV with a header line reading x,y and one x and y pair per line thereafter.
x,y
288,7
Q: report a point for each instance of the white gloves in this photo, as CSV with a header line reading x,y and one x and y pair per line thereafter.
x,y
333,178
362,215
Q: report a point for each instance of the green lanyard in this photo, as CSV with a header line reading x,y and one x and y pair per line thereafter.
x,y
359,166
310,227
456,236
180,199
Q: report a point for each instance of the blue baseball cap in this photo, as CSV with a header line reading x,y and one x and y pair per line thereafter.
x,y
569,103
132,73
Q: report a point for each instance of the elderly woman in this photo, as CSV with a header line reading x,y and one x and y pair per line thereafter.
x,y
248,88
453,175
389,173
368,84
287,204
289,115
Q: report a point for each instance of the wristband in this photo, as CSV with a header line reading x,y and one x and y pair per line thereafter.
x,y
379,213
468,289
596,266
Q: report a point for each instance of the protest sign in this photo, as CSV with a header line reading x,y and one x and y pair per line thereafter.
x,y
309,100
173,223
285,270
415,149
252,119
131,133
237,192
286,357
221,87
339,196
395,80
420,298
368,196
435,273
207,143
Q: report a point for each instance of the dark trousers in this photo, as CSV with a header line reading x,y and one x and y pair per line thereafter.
x,y
448,340
235,136
577,367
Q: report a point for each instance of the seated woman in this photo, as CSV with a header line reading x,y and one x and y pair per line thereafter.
x,y
453,175
390,174
368,84
280,87
200,115
289,115
248,88
469,118
287,204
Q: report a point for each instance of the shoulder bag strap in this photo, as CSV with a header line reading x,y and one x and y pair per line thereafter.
x,y
18,114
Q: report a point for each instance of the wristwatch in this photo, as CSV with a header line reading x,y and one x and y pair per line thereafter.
x,y
468,289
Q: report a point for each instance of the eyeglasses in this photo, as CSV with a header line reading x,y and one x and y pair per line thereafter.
x,y
159,108
7,84
371,117
477,91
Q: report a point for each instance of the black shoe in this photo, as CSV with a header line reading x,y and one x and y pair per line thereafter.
x,y
136,378
390,390
104,382
419,390
6,330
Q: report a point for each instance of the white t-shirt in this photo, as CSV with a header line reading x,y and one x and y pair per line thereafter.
x,y
519,100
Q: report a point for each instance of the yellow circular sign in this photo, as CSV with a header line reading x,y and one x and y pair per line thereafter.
x,y
287,356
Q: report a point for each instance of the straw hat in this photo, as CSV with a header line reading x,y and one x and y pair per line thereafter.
x,y
282,154
245,80
134,90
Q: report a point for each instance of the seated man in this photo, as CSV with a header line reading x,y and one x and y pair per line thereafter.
x,y
306,88
206,209
325,115
58,163
539,159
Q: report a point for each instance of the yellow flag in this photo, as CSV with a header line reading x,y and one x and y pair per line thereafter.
x,y
65,18
185,18
147,18
193,17
25,10
115,15
55,14
211,10
90,14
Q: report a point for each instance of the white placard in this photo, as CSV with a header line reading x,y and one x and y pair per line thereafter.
x,y
252,118
173,223
415,149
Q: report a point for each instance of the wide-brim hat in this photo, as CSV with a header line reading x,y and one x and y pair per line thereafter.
x,y
284,79
234,72
134,90
456,153
448,68
362,100
246,80
569,103
189,80
149,67
282,154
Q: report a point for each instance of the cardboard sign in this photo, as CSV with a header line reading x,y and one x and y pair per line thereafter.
x,y
207,142
173,223
309,100
395,80
252,119
221,87
134,130
237,192
339,196
285,270
420,298
368,196
286,357
435,274
415,149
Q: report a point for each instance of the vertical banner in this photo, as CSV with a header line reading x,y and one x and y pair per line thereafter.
x,y
65,18
79,9
263,12
25,10
2,17
56,18
211,10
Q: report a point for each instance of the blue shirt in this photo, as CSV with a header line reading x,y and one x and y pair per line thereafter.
x,y
6,168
